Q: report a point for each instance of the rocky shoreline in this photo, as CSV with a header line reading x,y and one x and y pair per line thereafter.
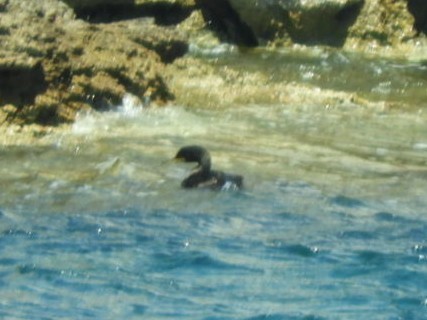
x,y
61,57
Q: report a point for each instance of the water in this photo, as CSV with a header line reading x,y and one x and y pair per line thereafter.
x,y
332,223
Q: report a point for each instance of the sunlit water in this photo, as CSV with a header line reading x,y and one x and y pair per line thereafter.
x,y
332,223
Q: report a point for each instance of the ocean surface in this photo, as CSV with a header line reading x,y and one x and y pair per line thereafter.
x,y
332,223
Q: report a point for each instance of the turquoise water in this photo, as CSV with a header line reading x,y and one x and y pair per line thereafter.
x,y
332,223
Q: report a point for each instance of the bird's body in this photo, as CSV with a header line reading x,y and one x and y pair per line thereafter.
x,y
203,176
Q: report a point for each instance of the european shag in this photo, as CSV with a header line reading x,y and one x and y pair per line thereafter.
x,y
203,176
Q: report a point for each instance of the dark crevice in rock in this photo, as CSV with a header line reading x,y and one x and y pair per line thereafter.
x,y
98,100
20,86
156,86
131,86
164,13
161,91
64,78
47,115
348,15
168,51
329,29
223,19
418,9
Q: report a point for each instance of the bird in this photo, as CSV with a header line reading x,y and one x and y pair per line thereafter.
x,y
203,177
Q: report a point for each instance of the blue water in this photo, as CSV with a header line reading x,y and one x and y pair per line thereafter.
x,y
335,258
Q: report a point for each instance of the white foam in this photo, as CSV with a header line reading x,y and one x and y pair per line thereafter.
x,y
131,105
213,51
90,122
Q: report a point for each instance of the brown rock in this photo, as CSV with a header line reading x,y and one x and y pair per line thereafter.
x,y
385,22
52,65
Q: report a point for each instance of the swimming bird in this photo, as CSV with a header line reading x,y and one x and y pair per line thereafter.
x,y
203,176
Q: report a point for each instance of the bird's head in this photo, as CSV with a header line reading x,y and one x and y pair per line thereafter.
x,y
194,154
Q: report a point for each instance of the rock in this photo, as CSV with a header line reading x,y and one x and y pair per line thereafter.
x,y
306,22
21,82
332,22
384,22
79,4
62,56
165,12
221,86
418,8
227,22
52,65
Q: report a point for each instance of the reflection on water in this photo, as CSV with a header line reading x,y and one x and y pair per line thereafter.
x,y
332,223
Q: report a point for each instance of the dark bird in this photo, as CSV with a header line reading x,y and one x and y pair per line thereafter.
x,y
203,176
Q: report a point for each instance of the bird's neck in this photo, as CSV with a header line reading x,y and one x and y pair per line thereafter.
x,y
205,163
